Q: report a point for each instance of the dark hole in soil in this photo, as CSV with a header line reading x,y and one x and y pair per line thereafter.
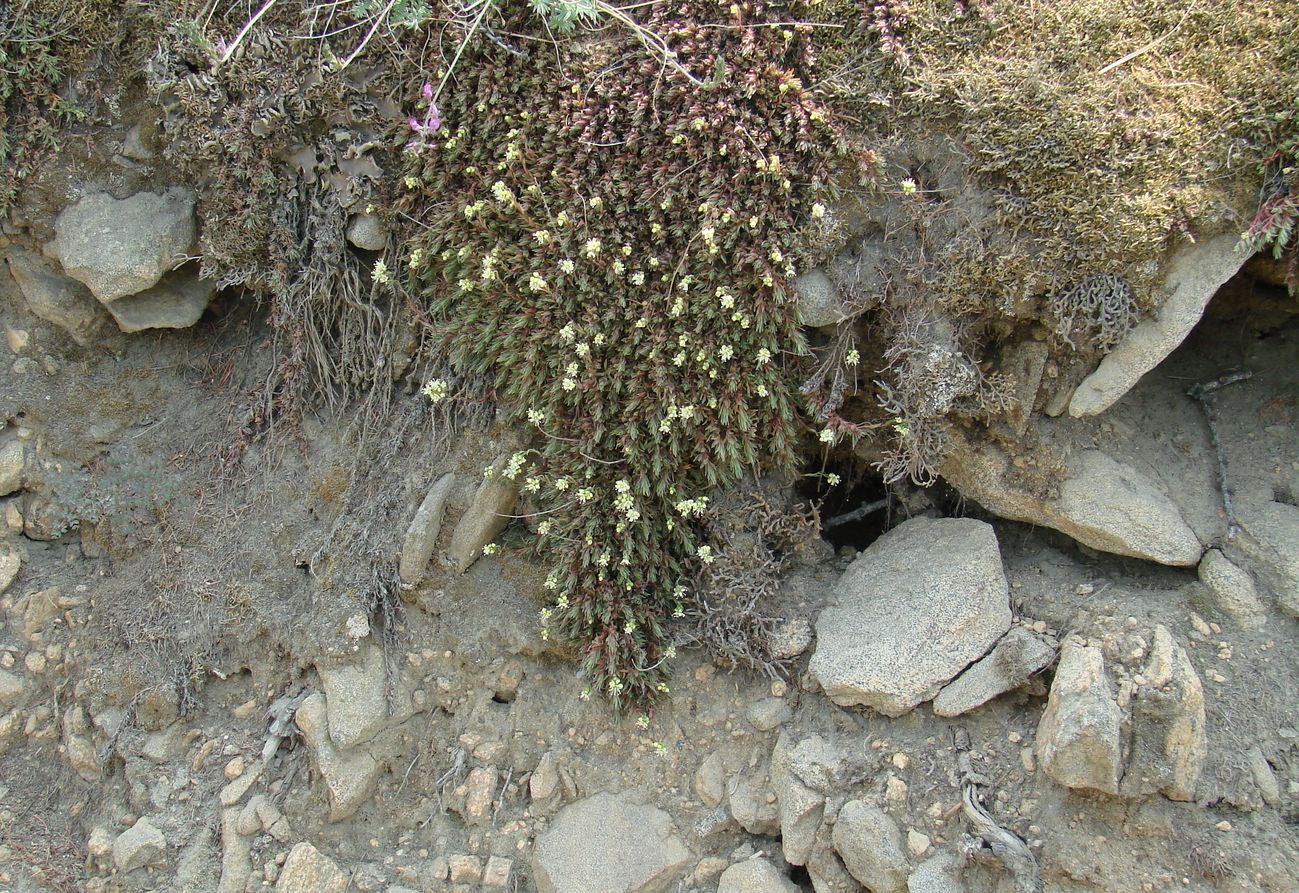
x,y
798,874
854,512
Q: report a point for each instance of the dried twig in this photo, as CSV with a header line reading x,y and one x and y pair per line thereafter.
x,y
1201,393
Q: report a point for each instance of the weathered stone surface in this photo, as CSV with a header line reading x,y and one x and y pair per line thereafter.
x,y
1195,274
366,231
1011,662
750,806
819,303
307,870
754,876
140,845
608,843
1232,589
13,690
800,807
487,515
56,298
10,563
350,778
480,792
422,535
1078,735
41,611
545,778
176,302
13,462
1103,503
768,713
938,874
1169,742
1273,542
120,248
710,781
826,869
236,855
912,611
1024,364
357,695
870,844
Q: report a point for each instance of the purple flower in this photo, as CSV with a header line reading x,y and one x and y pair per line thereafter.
x,y
434,120
428,92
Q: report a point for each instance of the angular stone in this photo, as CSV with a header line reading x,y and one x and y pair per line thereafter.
x,y
917,607
754,876
940,873
10,564
236,854
545,778
422,535
307,870
1195,274
609,844
496,875
13,691
800,807
1009,665
1232,589
1169,742
487,515
42,610
870,844
750,806
768,713
233,792
1103,503
357,697
826,869
56,298
1273,542
1078,735
142,844
350,778
710,781
480,792
176,302
120,248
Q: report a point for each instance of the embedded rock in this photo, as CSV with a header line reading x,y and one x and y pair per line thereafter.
x,y
754,876
819,303
307,870
350,778
1195,274
56,298
800,808
826,869
119,248
1078,735
13,690
365,231
487,515
422,535
1168,724
176,302
938,874
142,844
870,844
1273,542
13,464
710,781
609,844
10,564
1233,590
1015,658
911,612
357,697
1103,503
750,806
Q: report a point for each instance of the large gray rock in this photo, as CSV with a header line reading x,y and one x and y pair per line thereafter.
x,y
357,697
1232,590
422,535
56,298
751,803
1103,503
487,515
176,302
609,843
350,777
1015,658
1078,735
1169,742
1273,541
870,844
754,876
938,874
140,845
307,870
916,608
119,248
1195,274
366,231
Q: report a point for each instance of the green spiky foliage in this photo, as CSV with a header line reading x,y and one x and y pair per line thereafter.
x,y
614,244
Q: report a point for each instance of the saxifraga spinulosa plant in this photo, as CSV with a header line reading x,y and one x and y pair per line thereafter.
x,y
614,243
